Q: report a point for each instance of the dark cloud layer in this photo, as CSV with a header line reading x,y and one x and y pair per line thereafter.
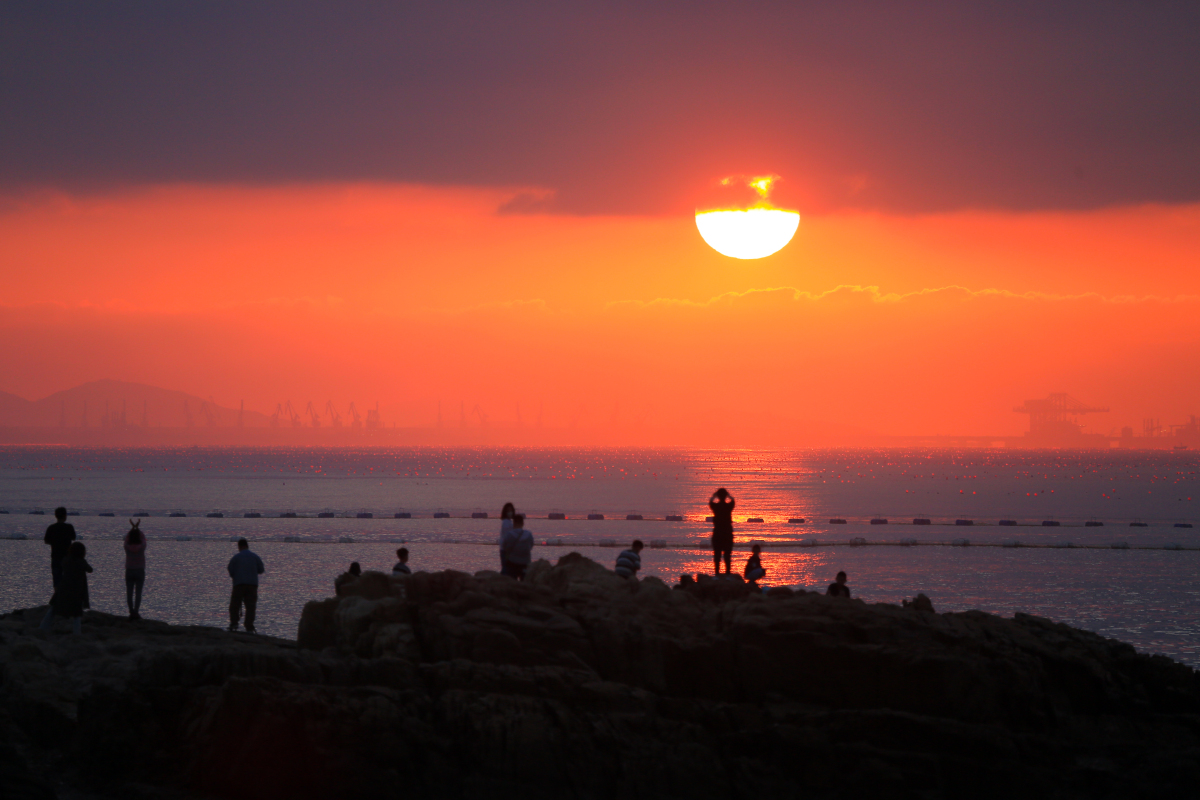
x,y
618,107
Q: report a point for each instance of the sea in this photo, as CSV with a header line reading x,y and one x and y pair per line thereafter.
x,y
1101,540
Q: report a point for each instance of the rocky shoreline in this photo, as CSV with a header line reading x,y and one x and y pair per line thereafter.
x,y
579,684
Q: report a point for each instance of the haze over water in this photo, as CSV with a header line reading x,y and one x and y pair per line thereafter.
x,y
1147,597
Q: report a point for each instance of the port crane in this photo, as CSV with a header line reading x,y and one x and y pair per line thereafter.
x,y
483,419
1056,416
335,418
356,418
312,413
293,417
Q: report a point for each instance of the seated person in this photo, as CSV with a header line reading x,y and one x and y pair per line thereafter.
x,y
351,575
516,549
838,589
754,568
401,566
629,561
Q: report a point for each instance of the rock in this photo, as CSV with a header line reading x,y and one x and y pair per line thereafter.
x,y
577,683
919,603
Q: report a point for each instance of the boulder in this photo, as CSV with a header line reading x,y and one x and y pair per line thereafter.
x,y
578,683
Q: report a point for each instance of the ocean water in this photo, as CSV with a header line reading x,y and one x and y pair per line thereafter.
x,y
1146,595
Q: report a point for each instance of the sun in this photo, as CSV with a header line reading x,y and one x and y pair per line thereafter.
x,y
747,233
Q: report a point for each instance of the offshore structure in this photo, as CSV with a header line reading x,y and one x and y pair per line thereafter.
x,y
1055,420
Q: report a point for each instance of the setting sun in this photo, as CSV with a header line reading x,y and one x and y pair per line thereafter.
x,y
750,233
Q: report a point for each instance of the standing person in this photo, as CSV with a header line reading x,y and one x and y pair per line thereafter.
x,y
630,561
59,536
839,587
401,566
70,598
244,568
721,504
754,568
519,552
135,567
506,526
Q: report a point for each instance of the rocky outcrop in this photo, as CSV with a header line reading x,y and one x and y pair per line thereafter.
x,y
578,683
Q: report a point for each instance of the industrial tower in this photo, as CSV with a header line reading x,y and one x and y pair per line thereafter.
x,y
1056,417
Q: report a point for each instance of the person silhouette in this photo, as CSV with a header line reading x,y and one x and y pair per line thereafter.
x,y
838,588
516,549
244,568
754,569
135,567
349,576
506,526
59,536
71,596
722,504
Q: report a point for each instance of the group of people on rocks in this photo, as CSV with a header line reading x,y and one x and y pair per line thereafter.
x,y
69,570
69,567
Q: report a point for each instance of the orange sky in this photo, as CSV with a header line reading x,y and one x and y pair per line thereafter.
x,y
408,294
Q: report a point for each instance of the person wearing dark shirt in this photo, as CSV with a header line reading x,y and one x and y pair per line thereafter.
x,y
838,589
754,569
401,566
59,536
71,597
347,577
244,568
630,561
721,504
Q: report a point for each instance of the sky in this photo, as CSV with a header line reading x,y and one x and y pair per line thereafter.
x,y
492,204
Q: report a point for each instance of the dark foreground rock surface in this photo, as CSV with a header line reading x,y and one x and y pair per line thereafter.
x,y
578,684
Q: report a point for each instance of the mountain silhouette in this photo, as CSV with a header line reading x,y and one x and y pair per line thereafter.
x,y
119,404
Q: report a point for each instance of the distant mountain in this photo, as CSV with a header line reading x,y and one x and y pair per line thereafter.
x,y
117,404
13,407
